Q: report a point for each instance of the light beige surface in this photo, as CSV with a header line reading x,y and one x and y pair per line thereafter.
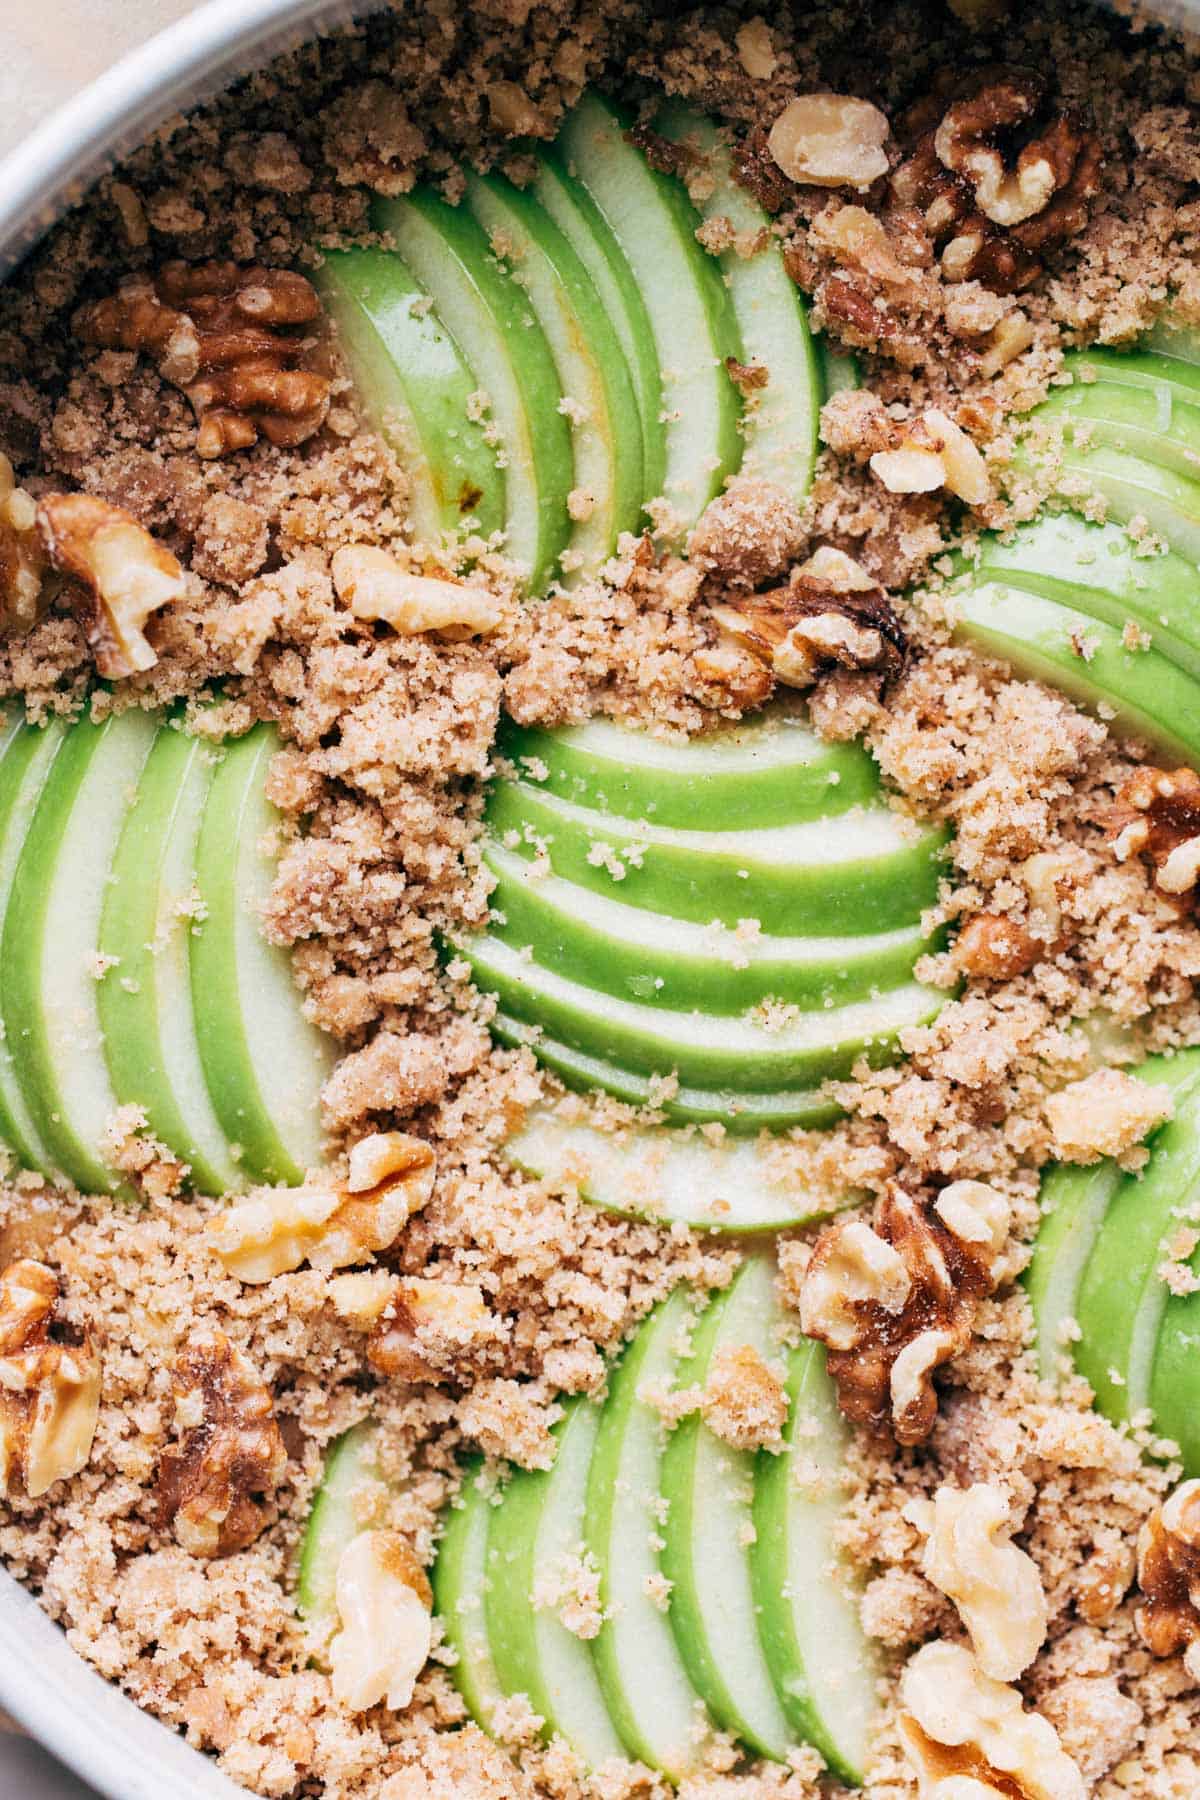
x,y
52,48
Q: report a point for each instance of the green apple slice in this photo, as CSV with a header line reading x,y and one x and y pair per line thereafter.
x,y
264,1064
493,324
598,395
865,871
691,314
824,1667
1175,1385
144,997
341,1509
838,369
48,969
1132,488
29,753
1143,691
651,1701
1121,1295
1154,366
417,391
708,1488
739,1053
536,1533
638,955
583,225
769,769
1150,423
734,1185
1074,1205
781,417
781,1110
459,1582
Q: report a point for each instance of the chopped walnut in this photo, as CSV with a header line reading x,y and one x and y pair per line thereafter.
x,y
1157,817
325,1224
427,1327
969,1737
215,1485
830,140
1108,1113
830,612
230,336
385,1606
998,178
1168,1573
49,1390
744,1402
22,561
375,585
970,1557
934,453
995,948
125,576
895,1302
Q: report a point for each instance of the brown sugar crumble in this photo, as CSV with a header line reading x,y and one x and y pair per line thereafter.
x,y
164,367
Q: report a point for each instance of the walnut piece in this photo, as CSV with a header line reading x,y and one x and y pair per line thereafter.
x,y
896,1301
326,1224
756,49
1108,1113
216,1484
970,1557
22,560
830,140
969,1737
49,1390
744,1402
230,336
1168,1573
426,1327
385,1606
995,948
1157,817
375,585
934,453
831,611
125,576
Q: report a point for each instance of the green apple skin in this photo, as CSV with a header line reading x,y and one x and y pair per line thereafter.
x,y
583,224
416,390
1131,419
1132,488
1121,1297
656,1711
708,1487
334,1522
771,769
735,1187
538,1523
459,1582
1074,1205
494,327
857,874
145,994
263,1063
1174,1386
606,431
627,952
825,1670
29,753
742,1114
51,930
1153,367
837,369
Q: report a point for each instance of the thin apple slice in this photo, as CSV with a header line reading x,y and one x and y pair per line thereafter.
x,y
661,961
740,1114
341,1508
659,1716
1134,489
459,1594
29,753
1121,1295
416,390
1142,692
708,1489
1074,1206
691,315
838,369
769,769
1155,365
534,1538
48,969
144,995
742,1054
264,1064
735,1185
1175,1383
598,395
494,327
583,225
781,416
824,1668
1151,423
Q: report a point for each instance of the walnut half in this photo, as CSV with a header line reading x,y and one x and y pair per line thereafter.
x,y
124,577
49,1390
1157,818
1168,1572
385,1606
831,612
215,1485
996,1586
